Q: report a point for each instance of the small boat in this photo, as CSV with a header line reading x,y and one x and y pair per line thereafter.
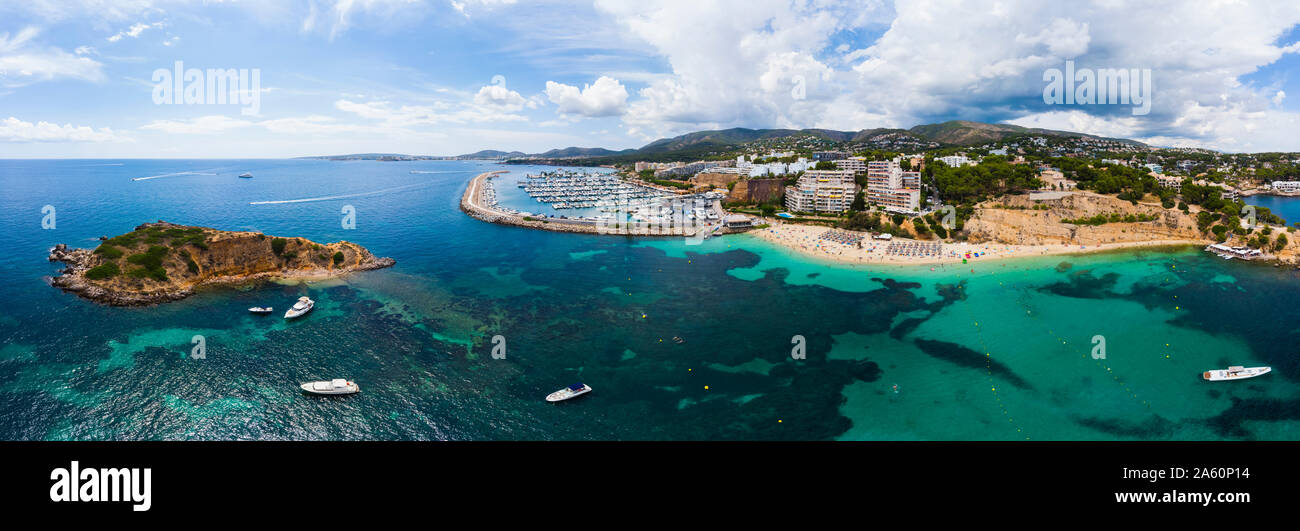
x,y
678,340
245,175
337,386
568,392
260,310
303,305
1235,372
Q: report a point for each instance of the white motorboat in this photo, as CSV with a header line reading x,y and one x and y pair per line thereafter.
x,y
260,310
568,392
337,386
245,175
1235,372
303,305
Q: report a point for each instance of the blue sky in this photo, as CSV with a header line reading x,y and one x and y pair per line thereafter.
x,y
444,77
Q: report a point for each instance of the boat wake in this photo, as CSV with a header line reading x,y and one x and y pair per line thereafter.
x,y
172,175
343,196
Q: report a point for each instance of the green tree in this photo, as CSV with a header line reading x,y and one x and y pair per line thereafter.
x,y
859,202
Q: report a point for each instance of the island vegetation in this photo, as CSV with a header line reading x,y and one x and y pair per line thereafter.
x,y
159,262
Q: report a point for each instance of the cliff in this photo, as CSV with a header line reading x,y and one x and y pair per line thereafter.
x,y
161,262
757,190
1023,221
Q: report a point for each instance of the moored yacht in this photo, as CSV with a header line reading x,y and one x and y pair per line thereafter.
x,y
337,386
568,392
303,305
1235,372
260,310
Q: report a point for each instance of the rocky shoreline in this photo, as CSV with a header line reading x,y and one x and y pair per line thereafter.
x,y
218,258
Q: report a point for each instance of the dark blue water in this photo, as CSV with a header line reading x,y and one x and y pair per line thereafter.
x,y
1002,352
1287,207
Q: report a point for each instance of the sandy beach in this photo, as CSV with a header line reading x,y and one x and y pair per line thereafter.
x,y
808,239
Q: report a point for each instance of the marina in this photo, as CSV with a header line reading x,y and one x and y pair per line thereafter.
x,y
567,189
603,200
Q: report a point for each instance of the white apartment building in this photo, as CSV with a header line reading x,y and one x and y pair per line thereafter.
x,y
687,170
1170,181
892,188
822,191
1287,186
956,161
854,164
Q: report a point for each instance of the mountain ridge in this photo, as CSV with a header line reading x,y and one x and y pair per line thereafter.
x,y
952,133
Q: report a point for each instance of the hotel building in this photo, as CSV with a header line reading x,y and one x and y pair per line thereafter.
x,y
956,161
1287,186
892,188
822,191
857,165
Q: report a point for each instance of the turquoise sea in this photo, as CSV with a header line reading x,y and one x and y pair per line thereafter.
x,y
995,350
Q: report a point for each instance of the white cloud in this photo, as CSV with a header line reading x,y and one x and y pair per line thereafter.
x,y
605,97
465,6
58,10
735,65
384,119
14,130
202,125
23,62
134,31
500,96
338,15
1081,122
441,112
303,125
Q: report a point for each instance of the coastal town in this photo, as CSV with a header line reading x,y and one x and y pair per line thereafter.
x,y
894,198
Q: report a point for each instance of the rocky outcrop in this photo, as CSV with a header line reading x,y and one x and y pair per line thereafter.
x,y
1021,220
756,190
161,262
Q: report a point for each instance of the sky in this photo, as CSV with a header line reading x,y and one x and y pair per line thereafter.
x,y
80,78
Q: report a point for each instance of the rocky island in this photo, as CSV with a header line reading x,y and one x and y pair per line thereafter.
x,y
161,262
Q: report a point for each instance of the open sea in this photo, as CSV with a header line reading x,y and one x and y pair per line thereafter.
x,y
1095,347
